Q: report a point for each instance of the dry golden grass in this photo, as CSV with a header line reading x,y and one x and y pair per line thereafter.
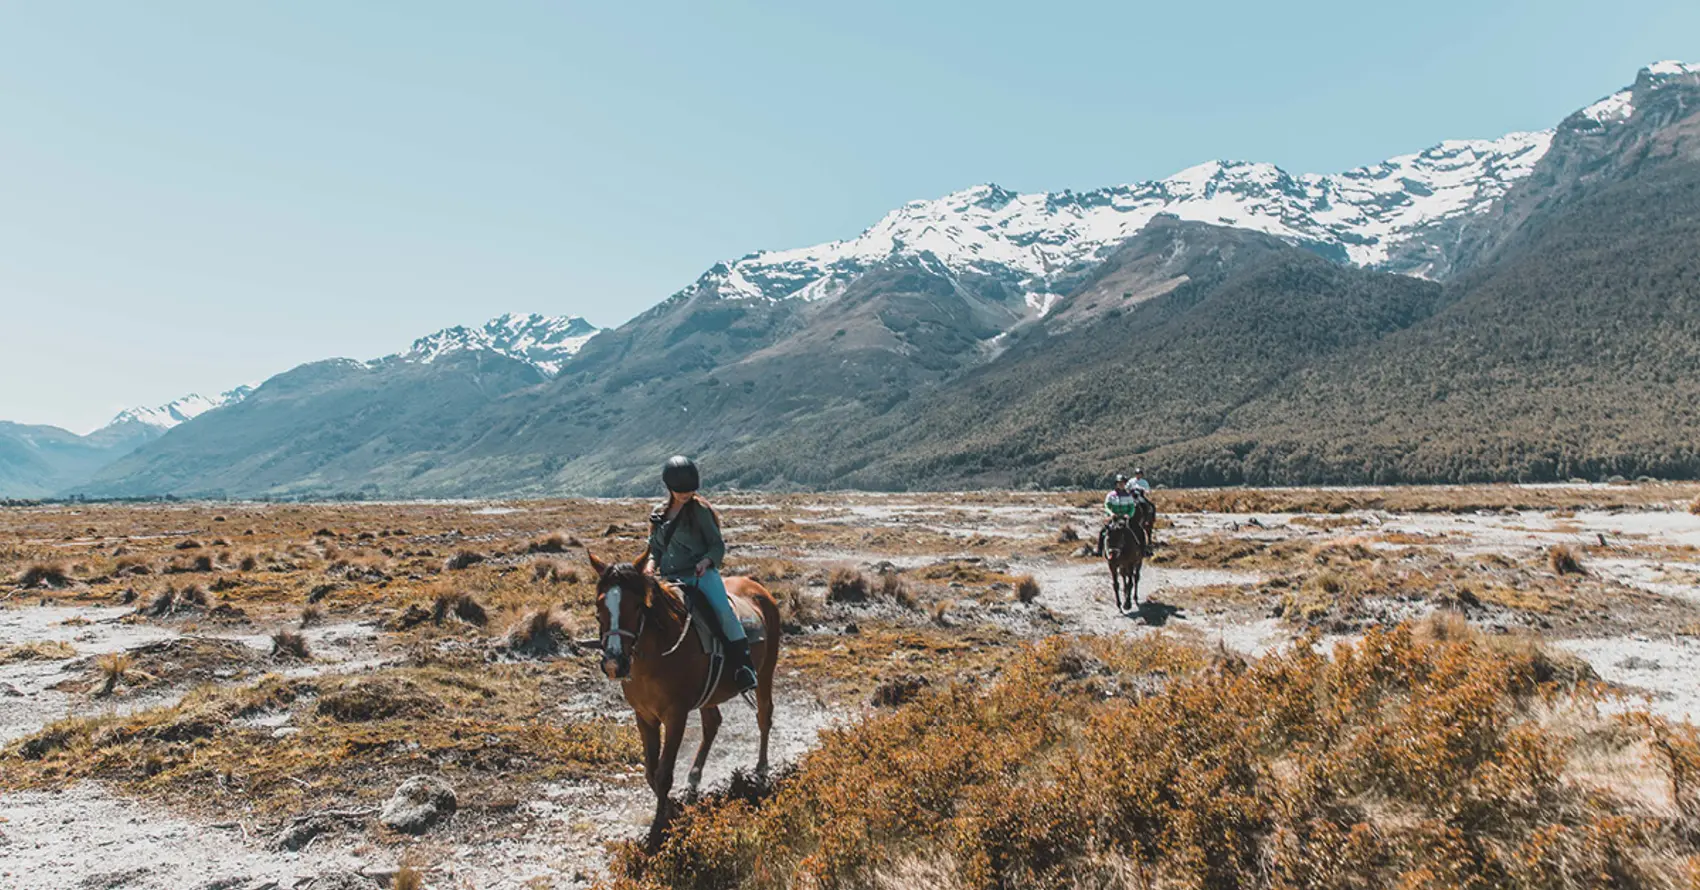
x,y
44,650
1415,759
357,738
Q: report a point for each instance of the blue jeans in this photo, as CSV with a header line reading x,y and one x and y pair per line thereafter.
x,y
714,590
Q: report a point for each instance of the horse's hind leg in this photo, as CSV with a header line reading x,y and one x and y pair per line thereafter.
x,y
764,705
710,728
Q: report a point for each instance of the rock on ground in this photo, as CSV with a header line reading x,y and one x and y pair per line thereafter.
x,y
418,804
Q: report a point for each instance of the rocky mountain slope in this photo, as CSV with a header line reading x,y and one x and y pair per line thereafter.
x,y
1232,322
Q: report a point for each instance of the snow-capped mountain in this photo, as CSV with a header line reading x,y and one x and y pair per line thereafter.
x,y
1620,106
543,341
1361,216
172,413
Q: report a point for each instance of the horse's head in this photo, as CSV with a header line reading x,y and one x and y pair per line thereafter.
x,y
623,597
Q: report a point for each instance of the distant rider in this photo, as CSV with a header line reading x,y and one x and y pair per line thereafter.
x,y
685,547
1119,502
1146,512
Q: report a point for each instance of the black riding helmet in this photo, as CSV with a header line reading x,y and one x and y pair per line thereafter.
x,y
680,474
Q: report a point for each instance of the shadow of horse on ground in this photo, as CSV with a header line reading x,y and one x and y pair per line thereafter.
x,y
1156,613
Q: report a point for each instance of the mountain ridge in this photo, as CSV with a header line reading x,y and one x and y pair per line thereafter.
x,y
845,366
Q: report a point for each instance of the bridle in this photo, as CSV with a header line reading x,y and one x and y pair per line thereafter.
x,y
615,630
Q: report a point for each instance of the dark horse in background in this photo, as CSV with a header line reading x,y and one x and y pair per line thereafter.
x,y
1126,545
649,645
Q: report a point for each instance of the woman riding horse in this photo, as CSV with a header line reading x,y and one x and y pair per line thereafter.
x,y
665,669
686,548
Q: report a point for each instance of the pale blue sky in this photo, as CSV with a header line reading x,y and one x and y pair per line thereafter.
x,y
196,195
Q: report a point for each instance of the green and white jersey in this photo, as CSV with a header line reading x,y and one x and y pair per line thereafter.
x,y
1119,503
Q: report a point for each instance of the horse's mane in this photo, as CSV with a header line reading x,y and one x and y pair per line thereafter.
x,y
668,604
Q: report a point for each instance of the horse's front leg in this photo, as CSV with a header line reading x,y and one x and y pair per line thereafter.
x,y
674,733
710,726
649,729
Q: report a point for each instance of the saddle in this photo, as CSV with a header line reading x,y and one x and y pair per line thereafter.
x,y
707,625
712,638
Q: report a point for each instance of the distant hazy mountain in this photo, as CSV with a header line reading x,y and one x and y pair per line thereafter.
x,y
1520,308
37,461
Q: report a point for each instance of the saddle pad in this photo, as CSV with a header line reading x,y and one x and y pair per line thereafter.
x,y
748,615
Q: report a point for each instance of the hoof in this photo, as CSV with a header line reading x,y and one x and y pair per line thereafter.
x,y
694,780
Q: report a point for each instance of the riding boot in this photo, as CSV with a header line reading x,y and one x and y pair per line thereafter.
x,y
738,659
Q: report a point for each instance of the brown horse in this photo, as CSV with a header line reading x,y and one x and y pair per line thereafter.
x,y
644,625
1125,552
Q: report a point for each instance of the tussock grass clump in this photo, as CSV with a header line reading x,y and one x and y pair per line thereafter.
x,y
131,565
463,560
1694,507
1068,534
795,604
554,543
458,605
290,644
1027,588
1563,561
312,615
1401,761
896,590
112,670
187,544
45,574
377,698
553,572
539,634
847,586
173,600
41,650
248,563
408,878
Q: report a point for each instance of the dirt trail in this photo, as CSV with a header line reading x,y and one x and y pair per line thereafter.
x,y
1079,593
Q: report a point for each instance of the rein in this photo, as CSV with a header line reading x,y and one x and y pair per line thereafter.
x,y
614,630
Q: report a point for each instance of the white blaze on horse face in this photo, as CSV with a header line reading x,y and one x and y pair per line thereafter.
x,y
614,640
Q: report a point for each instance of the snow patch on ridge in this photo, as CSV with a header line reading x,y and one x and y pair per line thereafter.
x,y
545,342
1028,239
170,414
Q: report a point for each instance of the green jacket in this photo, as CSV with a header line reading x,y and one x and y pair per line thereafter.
x,y
696,536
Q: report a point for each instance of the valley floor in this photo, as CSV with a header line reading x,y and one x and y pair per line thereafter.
x,y
225,695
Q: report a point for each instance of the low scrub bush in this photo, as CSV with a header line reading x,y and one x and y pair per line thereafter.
x,y
1410,760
